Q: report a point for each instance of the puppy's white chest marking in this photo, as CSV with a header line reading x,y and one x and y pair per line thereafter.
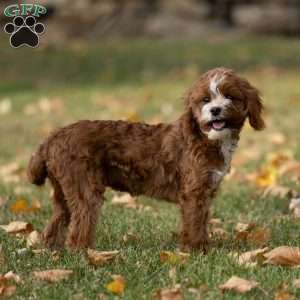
x,y
227,149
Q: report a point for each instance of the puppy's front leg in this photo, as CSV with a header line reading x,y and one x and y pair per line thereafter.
x,y
195,214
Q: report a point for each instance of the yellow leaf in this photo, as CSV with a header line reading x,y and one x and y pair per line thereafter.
x,y
134,117
54,275
21,206
266,177
116,286
173,257
99,258
238,284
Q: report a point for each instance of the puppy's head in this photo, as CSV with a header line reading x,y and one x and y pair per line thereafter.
x,y
221,101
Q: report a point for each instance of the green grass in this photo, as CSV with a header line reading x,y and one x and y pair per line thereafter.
x,y
146,79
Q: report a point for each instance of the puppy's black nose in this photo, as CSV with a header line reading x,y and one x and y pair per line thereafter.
x,y
215,111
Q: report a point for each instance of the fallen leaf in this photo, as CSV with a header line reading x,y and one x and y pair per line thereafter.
x,y
296,283
12,276
244,226
124,200
99,258
291,169
259,236
22,206
54,275
5,106
6,289
295,207
219,232
278,191
238,284
249,258
173,257
283,293
9,173
277,138
33,240
284,256
215,222
168,294
17,227
117,286
266,177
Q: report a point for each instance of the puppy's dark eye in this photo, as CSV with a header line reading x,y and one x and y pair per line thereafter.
x,y
206,99
229,97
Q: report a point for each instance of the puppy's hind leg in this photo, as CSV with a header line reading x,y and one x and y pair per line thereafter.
x,y
54,233
85,200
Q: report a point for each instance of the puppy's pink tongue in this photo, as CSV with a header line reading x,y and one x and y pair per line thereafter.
x,y
218,125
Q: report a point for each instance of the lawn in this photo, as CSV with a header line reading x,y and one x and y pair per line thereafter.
x,y
146,80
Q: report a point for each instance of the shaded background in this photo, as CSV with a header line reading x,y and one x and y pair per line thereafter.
x,y
134,60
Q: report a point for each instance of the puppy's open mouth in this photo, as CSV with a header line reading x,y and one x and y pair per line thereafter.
x,y
218,124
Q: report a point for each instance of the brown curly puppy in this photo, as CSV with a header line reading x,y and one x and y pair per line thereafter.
x,y
182,162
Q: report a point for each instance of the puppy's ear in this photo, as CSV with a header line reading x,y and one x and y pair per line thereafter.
x,y
255,108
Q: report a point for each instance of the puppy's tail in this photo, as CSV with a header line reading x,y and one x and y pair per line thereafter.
x,y
37,170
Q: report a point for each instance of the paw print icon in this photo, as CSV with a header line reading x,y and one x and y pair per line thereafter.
x,y
24,31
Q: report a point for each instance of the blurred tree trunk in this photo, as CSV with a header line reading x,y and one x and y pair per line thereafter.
x,y
221,10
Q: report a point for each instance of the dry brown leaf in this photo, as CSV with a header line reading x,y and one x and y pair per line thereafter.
x,y
219,232
169,294
291,169
117,286
295,207
259,236
173,257
284,256
125,200
238,284
244,226
17,227
283,293
33,240
99,258
278,191
296,283
54,275
6,289
249,258
12,276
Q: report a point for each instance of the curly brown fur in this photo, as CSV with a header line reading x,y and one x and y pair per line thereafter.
x,y
182,162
